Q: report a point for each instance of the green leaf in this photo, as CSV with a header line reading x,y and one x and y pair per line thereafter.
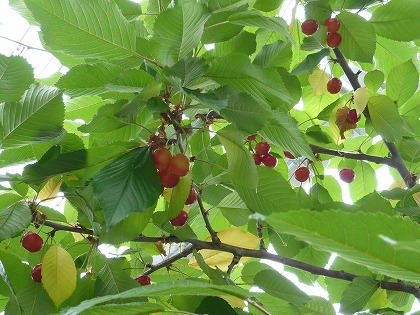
x,y
83,107
385,117
85,29
188,69
234,209
134,308
402,82
223,5
412,106
177,32
317,306
365,181
241,167
243,43
179,195
217,29
265,85
16,75
129,9
129,184
38,117
359,38
279,286
14,220
283,132
175,288
397,20
311,62
277,54
112,279
214,305
256,19
34,300
356,238
246,113
273,193
86,79
357,294
373,80
267,5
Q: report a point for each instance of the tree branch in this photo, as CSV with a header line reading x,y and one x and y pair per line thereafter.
x,y
396,158
61,227
353,156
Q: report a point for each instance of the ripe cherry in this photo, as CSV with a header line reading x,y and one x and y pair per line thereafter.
x,y
181,219
334,85
168,179
333,40
36,273
289,155
32,242
269,160
347,175
257,158
309,27
143,280
161,158
262,148
179,165
352,116
333,24
192,197
251,137
302,174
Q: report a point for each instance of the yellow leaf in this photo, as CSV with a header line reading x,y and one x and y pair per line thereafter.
x,y
231,236
50,189
360,98
59,274
318,80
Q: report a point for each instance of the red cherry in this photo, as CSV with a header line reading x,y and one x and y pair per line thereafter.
x,y
192,197
168,179
347,175
143,280
269,161
289,155
161,158
333,24
334,85
181,219
251,137
32,242
257,159
262,148
333,40
309,27
180,165
352,116
302,174
36,273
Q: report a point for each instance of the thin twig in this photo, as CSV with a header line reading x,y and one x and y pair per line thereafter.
x,y
61,227
259,307
260,235
234,262
204,213
169,261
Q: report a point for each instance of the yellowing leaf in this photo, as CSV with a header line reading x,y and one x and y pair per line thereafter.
x,y
231,236
50,189
360,98
59,274
416,197
318,80
342,122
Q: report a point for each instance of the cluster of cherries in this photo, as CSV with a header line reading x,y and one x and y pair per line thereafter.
x,y
309,27
170,169
33,242
262,153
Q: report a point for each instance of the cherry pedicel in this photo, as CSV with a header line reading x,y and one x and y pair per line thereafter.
x,y
36,273
309,27
181,219
302,174
333,24
334,85
347,175
333,40
32,242
143,280
352,116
